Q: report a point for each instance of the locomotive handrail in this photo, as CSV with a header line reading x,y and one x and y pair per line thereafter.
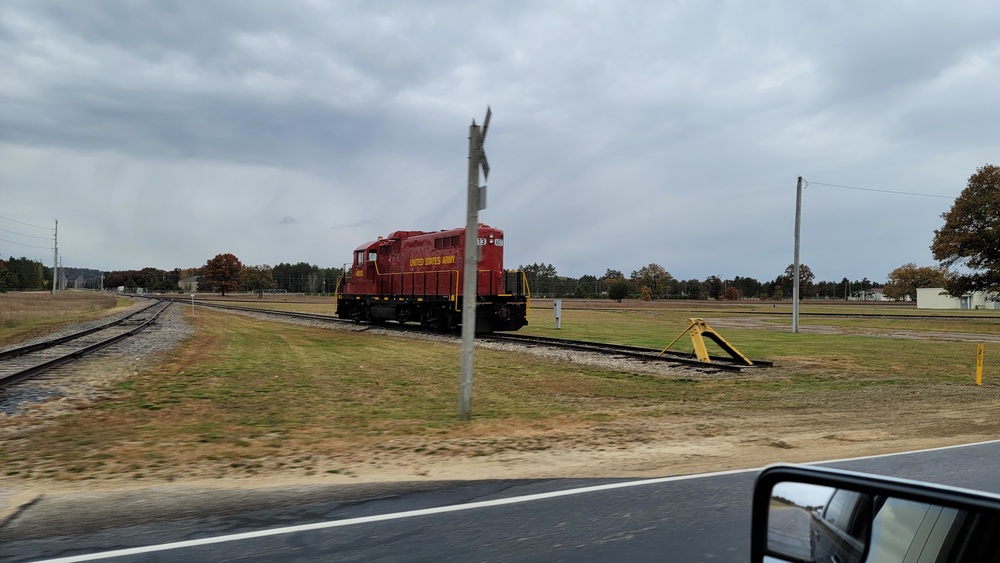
x,y
336,288
527,293
452,274
453,296
519,273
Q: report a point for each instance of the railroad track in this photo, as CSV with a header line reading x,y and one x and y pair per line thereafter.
x,y
290,314
20,363
633,352
982,317
722,363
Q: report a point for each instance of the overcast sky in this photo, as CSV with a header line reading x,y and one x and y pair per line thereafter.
x,y
162,133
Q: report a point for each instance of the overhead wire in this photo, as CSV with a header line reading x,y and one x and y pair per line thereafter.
x,y
28,245
24,235
50,229
876,190
26,224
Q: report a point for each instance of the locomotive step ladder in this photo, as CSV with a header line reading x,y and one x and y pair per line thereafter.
x,y
697,328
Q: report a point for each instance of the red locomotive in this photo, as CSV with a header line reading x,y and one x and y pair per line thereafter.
x,y
416,276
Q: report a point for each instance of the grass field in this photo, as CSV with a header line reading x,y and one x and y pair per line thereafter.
x,y
860,349
26,315
247,397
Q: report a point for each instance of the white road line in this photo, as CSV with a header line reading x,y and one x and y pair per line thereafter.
x,y
877,456
452,508
384,517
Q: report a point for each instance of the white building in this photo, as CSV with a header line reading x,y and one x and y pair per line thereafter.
x,y
873,294
936,298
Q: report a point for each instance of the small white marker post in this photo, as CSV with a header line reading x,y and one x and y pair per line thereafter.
x,y
557,309
192,304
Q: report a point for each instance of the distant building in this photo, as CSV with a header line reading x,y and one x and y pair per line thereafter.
x,y
936,298
189,284
873,294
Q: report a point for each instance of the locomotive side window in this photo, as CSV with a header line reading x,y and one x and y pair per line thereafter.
x,y
360,257
447,242
372,255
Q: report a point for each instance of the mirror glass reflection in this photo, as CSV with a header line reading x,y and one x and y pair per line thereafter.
x,y
811,523
814,523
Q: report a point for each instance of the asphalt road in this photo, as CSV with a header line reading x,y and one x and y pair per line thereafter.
x,y
689,519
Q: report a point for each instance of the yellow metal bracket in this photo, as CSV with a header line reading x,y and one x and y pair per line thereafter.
x,y
697,328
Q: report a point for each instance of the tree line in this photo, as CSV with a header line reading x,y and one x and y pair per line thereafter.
x,y
24,274
653,281
225,273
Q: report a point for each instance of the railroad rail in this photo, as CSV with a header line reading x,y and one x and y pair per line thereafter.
x,y
634,352
293,314
17,364
983,315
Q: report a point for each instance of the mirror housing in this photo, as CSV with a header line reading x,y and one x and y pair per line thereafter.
x,y
967,522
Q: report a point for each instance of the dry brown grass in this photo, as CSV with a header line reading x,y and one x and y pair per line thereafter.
x,y
26,315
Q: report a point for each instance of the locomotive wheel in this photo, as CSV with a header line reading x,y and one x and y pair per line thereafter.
x,y
403,315
428,320
451,324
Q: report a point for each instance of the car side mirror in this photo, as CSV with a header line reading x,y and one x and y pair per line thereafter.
x,y
811,514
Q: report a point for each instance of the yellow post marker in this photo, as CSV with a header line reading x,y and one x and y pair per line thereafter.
x,y
979,364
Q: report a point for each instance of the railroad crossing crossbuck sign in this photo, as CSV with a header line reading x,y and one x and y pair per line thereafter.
x,y
484,163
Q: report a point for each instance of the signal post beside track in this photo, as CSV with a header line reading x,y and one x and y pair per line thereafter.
x,y
476,202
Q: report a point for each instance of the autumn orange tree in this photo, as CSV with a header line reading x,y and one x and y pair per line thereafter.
x,y
906,279
221,274
654,278
257,279
970,235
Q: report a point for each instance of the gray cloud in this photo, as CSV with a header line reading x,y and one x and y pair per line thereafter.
x,y
163,133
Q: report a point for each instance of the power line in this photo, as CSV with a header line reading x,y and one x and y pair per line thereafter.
x,y
874,190
28,245
24,235
26,224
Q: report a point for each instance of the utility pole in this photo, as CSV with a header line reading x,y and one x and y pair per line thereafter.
x,y
795,267
55,259
476,202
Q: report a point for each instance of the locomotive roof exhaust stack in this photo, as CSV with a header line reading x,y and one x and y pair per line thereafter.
x,y
476,202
